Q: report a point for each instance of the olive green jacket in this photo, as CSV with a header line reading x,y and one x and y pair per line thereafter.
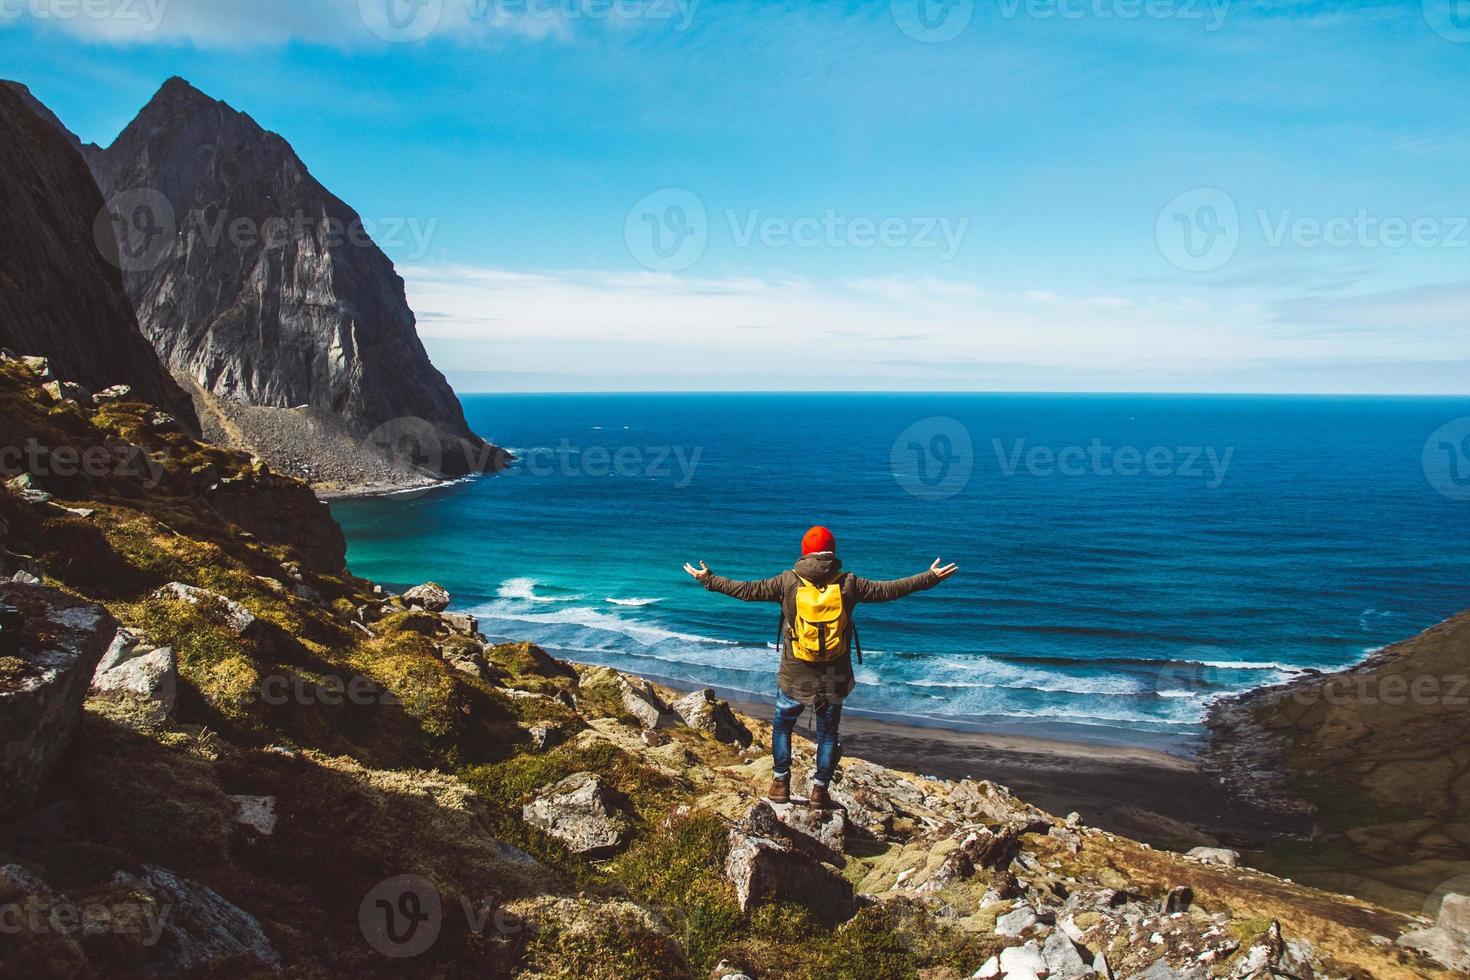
x,y
817,684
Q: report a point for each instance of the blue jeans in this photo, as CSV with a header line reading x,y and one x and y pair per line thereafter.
x,y
829,749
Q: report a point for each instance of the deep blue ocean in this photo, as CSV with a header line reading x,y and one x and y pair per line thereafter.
x,y
1123,559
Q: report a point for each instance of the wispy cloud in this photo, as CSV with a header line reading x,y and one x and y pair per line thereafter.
x,y
926,332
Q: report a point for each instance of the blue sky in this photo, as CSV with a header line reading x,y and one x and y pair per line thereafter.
x,y
1191,195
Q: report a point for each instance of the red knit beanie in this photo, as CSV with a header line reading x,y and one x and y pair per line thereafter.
x,y
818,539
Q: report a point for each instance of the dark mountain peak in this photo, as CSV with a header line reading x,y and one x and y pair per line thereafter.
x,y
258,292
41,109
61,296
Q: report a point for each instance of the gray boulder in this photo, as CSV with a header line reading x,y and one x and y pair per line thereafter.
x,y
68,391
43,686
201,929
463,623
821,834
430,596
1024,962
1017,922
643,702
114,393
580,812
702,711
1064,960
1448,940
135,667
230,613
765,869
1221,856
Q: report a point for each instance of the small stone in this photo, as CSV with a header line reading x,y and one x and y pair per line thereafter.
x,y
258,813
1179,899
543,737
39,366
1016,923
24,577
643,702
114,393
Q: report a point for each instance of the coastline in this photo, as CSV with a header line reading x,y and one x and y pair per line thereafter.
x,y
368,491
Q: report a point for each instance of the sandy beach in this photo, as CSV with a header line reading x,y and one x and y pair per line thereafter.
x,y
1149,795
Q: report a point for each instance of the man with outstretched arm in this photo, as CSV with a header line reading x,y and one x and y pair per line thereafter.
x,y
817,637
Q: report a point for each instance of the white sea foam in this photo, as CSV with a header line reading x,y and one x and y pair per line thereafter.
x,y
592,619
634,601
525,589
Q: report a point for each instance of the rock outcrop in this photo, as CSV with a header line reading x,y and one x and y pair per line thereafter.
x,y
1366,765
264,291
43,684
61,295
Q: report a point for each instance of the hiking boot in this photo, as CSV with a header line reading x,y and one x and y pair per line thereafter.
x,y
780,791
820,799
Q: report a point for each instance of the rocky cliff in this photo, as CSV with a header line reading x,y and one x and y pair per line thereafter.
x,y
263,292
61,296
1373,763
284,767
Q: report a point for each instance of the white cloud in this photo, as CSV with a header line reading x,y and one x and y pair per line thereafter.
x,y
925,332
336,23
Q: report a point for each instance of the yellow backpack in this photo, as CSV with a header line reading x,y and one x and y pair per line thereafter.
x,y
821,626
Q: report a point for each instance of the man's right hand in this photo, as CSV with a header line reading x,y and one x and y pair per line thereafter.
x,y
700,574
944,572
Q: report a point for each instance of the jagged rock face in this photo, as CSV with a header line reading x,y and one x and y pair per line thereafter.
x,y
43,686
61,296
260,286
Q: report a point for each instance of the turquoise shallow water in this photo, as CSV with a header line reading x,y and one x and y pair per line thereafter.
x,y
1124,559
